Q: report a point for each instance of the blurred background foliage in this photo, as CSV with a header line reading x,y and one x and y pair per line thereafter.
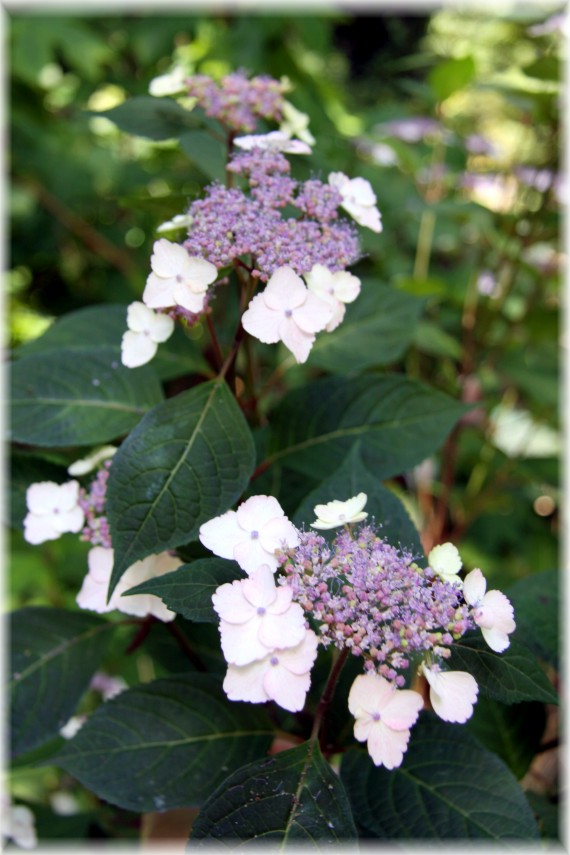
x,y
453,116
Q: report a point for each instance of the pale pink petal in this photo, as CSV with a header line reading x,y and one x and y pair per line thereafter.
x,y
196,272
250,554
162,327
230,603
298,342
339,180
100,562
159,293
221,534
362,728
262,322
402,710
168,258
285,290
69,521
256,511
452,694
337,318
286,689
313,315
346,286
184,296
277,533
38,529
93,593
68,495
496,612
474,586
245,682
361,192
497,640
369,693
320,280
282,600
387,747
41,498
260,589
137,349
284,630
240,643
300,659
139,317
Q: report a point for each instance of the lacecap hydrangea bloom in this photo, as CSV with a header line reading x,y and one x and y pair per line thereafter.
x,y
361,595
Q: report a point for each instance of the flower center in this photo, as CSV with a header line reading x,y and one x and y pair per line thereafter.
x,y
179,277
254,535
288,313
376,716
261,610
274,660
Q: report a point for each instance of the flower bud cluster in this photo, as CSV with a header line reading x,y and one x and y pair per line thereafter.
x,y
92,502
237,102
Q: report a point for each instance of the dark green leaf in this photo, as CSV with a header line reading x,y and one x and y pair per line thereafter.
x,y
155,118
448,788
292,797
536,601
547,813
54,654
78,397
187,461
179,355
512,676
513,732
165,744
450,76
188,590
376,330
396,422
206,152
351,478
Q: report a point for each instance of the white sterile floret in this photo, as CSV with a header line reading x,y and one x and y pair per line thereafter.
x,y
171,83
295,123
337,513
257,616
177,279
146,330
358,200
89,463
452,693
492,611
384,716
53,510
252,534
283,676
446,562
93,593
336,289
179,221
275,140
19,824
287,311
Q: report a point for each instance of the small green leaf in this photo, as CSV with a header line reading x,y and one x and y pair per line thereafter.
x,y
351,478
188,589
448,788
510,677
54,654
536,601
450,76
154,118
78,397
206,152
187,461
396,422
376,330
165,744
294,797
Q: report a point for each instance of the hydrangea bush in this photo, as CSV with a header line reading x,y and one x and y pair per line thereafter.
x,y
322,668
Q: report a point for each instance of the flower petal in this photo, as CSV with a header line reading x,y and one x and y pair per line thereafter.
x,y
159,293
285,290
474,586
245,682
286,689
137,349
387,747
262,322
221,534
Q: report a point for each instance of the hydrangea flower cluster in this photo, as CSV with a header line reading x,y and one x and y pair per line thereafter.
x,y
56,509
359,594
268,223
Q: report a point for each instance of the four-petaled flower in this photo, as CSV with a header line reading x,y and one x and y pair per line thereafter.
x,y
93,593
146,330
53,509
384,716
492,611
446,562
252,534
283,676
257,617
177,279
275,141
334,288
337,513
358,200
287,311
452,693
